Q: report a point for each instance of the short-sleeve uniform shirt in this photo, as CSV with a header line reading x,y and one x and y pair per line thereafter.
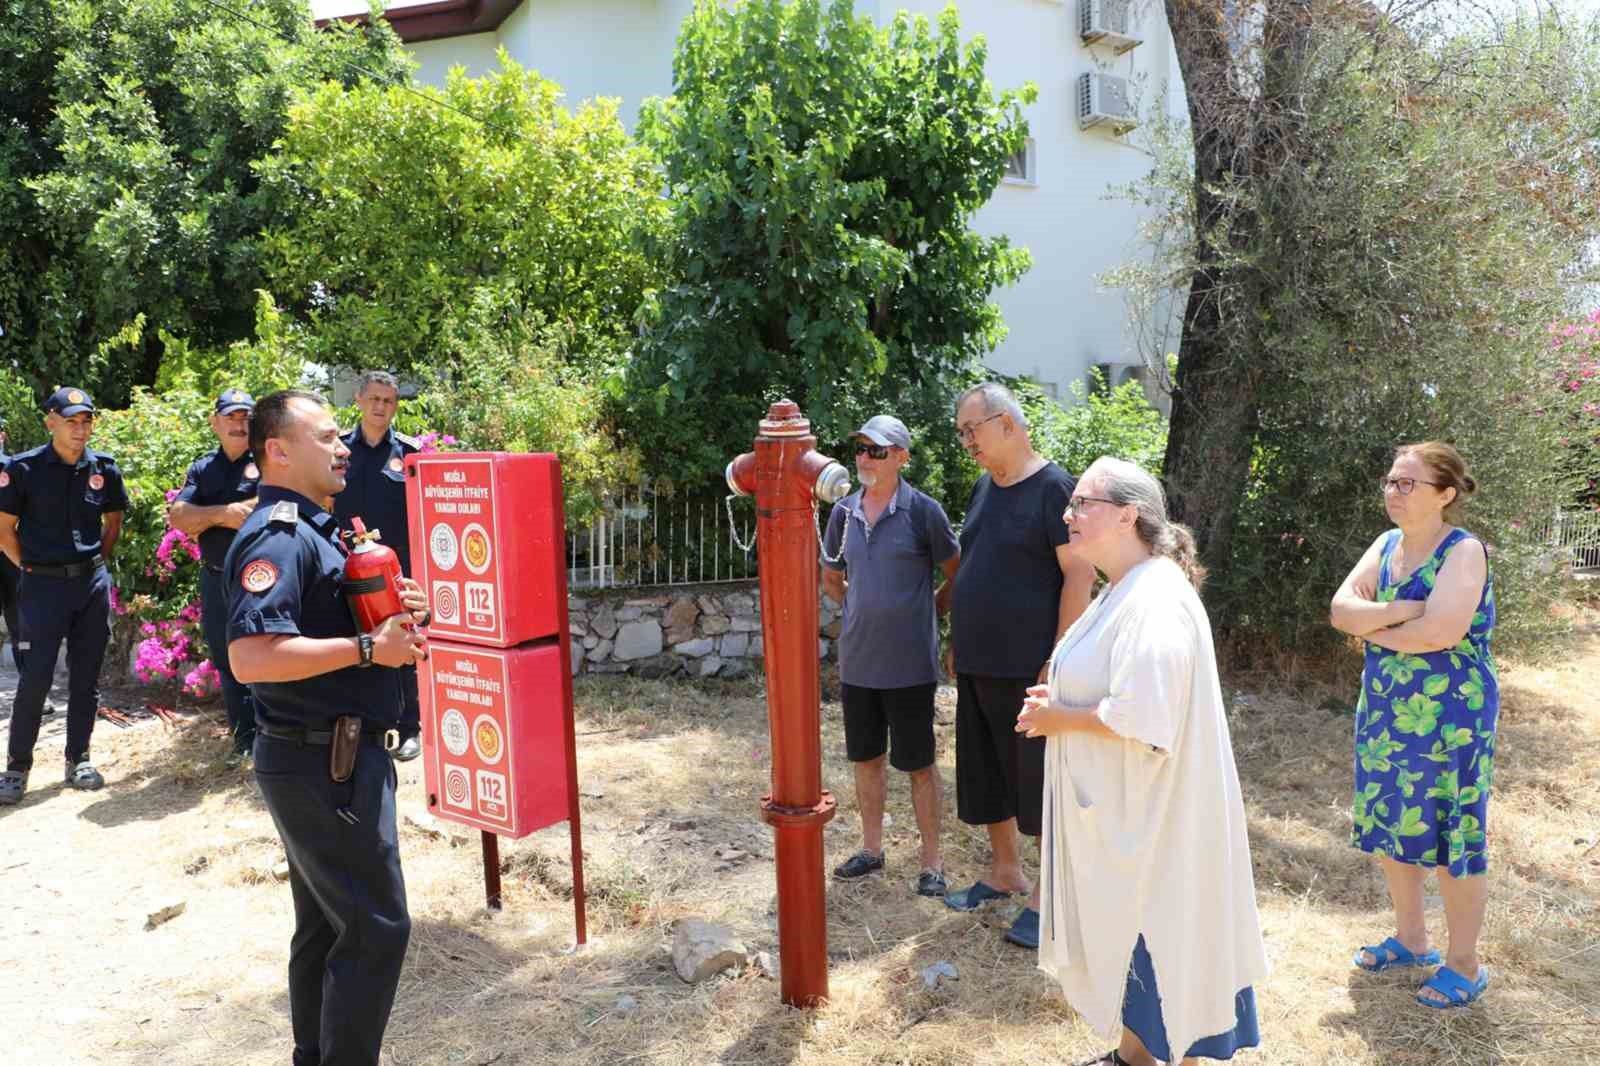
x,y
59,504
213,481
890,636
1007,599
285,574
375,489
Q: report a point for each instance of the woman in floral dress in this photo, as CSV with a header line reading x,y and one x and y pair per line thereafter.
x,y
1422,599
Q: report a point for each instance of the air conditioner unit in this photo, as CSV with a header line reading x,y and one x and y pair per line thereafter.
x,y
1112,22
1104,100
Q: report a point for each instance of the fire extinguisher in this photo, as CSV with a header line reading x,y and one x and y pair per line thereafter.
x,y
371,578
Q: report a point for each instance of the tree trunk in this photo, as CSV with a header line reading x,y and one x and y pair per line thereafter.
x,y
1240,126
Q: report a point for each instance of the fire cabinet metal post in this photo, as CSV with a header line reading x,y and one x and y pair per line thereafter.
x,y
786,475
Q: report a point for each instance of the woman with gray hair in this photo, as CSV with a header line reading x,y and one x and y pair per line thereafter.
x,y
1145,863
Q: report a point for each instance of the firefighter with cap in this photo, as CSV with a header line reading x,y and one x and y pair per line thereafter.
x,y
61,507
375,492
327,701
218,494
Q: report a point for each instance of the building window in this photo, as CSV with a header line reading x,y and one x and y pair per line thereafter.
x,y
1023,166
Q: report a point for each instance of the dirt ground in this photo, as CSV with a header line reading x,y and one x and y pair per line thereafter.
x,y
670,774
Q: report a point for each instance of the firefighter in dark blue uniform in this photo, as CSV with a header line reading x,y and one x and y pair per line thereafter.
x,y
375,492
61,510
218,494
293,640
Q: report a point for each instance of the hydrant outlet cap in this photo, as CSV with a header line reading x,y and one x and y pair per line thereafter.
x,y
833,484
733,484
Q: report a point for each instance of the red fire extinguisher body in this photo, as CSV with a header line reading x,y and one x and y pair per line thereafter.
x,y
371,579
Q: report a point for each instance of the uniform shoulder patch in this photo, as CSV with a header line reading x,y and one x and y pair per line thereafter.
x,y
284,511
258,575
409,441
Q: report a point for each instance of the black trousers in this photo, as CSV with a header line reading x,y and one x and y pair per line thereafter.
x,y
351,925
53,610
9,577
214,624
410,703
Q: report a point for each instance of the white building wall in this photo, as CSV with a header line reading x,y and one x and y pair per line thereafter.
x,y
1061,321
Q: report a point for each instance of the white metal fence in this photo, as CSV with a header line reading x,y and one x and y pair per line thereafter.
x,y
1576,535
647,538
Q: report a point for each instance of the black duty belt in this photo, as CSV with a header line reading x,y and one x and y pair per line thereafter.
x,y
388,739
64,569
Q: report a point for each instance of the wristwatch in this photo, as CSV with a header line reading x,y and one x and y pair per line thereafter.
x,y
364,643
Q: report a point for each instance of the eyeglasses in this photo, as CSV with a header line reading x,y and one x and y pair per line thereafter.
x,y
968,432
1404,485
875,451
1075,505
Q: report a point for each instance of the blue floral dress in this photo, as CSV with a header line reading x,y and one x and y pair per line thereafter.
x,y
1425,727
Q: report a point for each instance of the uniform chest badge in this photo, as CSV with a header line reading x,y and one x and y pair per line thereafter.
x,y
258,576
5,479
97,482
396,465
252,472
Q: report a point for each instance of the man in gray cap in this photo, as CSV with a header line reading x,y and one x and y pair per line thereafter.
x,y
883,542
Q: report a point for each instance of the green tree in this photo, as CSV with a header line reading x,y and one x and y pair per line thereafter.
x,y
128,131
414,199
822,174
1379,224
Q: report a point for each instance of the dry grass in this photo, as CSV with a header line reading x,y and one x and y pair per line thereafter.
x,y
670,774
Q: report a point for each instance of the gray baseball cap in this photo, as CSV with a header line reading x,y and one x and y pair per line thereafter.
x,y
885,431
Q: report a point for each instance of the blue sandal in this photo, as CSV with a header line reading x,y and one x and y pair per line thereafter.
x,y
1392,953
1457,990
970,899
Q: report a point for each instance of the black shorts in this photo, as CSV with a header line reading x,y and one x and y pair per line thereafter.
x,y
999,772
874,716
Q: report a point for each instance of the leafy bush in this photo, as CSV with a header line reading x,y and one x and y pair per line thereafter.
x,y
1576,346
822,174
412,198
127,181
507,382
1099,421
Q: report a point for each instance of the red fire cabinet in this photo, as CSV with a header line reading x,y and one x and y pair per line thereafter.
x,y
487,545
493,764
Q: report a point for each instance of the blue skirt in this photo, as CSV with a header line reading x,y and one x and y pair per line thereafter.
x,y
1141,1012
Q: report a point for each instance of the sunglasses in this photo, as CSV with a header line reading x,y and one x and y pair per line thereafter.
x,y
873,451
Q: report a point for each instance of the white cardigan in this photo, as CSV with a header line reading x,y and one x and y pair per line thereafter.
x,y
1147,835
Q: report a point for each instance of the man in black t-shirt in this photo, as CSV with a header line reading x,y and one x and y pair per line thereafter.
x,y
1018,589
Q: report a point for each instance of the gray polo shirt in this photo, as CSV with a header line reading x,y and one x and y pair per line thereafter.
x,y
890,637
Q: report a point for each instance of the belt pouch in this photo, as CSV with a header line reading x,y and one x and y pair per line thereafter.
x,y
342,752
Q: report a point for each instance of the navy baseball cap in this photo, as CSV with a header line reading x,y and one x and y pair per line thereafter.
x,y
69,401
233,400
885,431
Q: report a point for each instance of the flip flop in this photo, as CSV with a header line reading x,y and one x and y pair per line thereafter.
x,y
970,899
1457,990
1024,932
1402,957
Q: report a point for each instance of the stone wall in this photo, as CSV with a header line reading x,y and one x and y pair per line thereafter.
x,y
694,631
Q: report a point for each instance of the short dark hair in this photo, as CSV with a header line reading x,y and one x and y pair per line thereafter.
x,y
376,377
272,416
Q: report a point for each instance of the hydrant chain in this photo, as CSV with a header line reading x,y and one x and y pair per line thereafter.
x,y
733,527
844,538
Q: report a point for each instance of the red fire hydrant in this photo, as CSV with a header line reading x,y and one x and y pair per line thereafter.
x,y
787,476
